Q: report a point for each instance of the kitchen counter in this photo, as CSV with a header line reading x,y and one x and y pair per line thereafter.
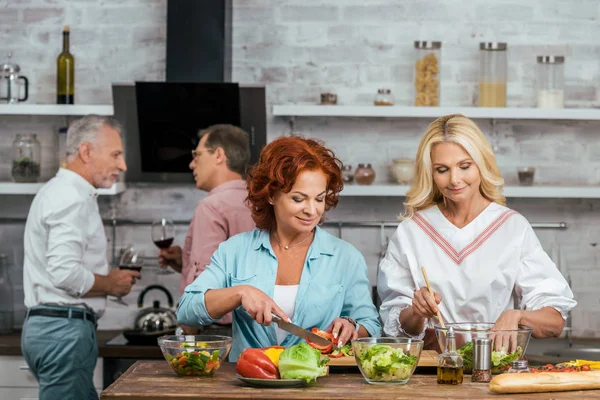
x,y
147,380
10,345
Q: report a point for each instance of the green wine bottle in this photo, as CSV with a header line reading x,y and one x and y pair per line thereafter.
x,y
65,73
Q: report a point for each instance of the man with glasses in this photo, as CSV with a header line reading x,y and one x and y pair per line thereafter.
x,y
219,166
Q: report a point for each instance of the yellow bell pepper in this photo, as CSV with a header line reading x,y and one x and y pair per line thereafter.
x,y
579,363
274,353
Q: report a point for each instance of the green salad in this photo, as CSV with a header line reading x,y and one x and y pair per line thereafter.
x,y
500,359
195,363
382,362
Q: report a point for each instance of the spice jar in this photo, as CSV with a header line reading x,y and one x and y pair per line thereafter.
x,y
347,174
519,367
492,74
384,97
550,81
427,73
450,363
26,158
482,360
364,174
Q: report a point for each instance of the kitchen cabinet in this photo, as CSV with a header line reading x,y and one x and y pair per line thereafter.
x,y
17,381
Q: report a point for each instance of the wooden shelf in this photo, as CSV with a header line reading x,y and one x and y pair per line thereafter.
x,y
55,109
312,110
32,188
551,192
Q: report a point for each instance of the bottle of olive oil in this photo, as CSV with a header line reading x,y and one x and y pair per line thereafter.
x,y
65,72
450,363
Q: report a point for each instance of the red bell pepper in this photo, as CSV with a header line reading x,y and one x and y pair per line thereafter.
x,y
254,363
323,334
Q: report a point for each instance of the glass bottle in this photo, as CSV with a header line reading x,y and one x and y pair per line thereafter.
x,y
482,360
550,81
384,97
492,74
427,73
6,297
364,174
65,72
450,363
519,367
26,158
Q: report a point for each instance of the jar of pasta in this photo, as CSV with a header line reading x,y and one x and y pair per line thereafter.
x,y
427,73
492,74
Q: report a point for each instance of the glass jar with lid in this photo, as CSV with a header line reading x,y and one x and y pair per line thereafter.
x,y
384,97
550,81
492,74
519,367
26,158
427,63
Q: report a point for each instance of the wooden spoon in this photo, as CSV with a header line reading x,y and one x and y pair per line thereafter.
x,y
439,315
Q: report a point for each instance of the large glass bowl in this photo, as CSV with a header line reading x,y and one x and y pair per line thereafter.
x,y
195,355
507,345
387,360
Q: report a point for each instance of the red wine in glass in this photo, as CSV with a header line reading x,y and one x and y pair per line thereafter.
x,y
164,243
137,268
163,233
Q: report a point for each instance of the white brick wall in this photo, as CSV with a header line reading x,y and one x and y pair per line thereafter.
x,y
301,48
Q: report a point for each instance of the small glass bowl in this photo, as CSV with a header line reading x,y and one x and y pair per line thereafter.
x,y
195,355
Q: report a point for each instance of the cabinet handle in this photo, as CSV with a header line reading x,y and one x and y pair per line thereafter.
x,y
24,367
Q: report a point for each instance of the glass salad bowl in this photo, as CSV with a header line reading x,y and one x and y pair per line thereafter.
x,y
195,355
387,360
507,345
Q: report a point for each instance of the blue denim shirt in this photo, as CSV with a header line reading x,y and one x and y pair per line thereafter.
x,y
334,283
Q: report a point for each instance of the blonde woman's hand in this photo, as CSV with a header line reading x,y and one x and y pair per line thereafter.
x,y
424,305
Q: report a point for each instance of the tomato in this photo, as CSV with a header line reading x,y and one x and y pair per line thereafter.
x,y
586,367
323,334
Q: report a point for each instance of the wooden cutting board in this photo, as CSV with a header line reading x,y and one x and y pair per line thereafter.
x,y
428,359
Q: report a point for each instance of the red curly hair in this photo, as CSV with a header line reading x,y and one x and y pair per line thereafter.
x,y
278,167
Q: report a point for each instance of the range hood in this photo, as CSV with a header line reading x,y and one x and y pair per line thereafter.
x,y
162,119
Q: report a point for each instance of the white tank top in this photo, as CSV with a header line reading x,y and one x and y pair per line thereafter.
x,y
285,297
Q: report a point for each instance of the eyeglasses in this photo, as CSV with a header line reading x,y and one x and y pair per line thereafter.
x,y
197,153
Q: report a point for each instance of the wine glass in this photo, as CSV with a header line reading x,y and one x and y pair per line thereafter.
x,y
163,233
132,260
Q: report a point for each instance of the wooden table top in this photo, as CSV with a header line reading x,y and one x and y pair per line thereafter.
x,y
154,380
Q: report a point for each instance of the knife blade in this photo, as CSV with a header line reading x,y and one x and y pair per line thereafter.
x,y
301,332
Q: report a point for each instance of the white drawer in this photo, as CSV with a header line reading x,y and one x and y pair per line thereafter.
x,y
16,374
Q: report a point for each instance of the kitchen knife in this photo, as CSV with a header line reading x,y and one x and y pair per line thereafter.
x,y
301,332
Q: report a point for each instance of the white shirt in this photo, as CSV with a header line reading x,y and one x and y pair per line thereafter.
x,y
285,297
65,244
479,270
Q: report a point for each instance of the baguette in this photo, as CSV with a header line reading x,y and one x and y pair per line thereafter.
x,y
545,382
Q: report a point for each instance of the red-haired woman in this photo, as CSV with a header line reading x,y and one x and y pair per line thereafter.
x,y
288,265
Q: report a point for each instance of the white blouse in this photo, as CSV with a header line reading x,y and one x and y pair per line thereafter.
x,y
285,297
480,270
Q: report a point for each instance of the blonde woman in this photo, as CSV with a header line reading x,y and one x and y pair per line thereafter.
x,y
479,254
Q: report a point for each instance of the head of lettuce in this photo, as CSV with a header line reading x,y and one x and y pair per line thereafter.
x,y
302,362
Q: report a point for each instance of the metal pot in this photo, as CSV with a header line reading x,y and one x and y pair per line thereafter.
x,y
9,83
155,318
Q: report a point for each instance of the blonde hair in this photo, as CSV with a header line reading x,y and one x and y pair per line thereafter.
x,y
458,129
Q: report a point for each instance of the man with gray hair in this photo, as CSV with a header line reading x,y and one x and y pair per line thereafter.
x,y
66,276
